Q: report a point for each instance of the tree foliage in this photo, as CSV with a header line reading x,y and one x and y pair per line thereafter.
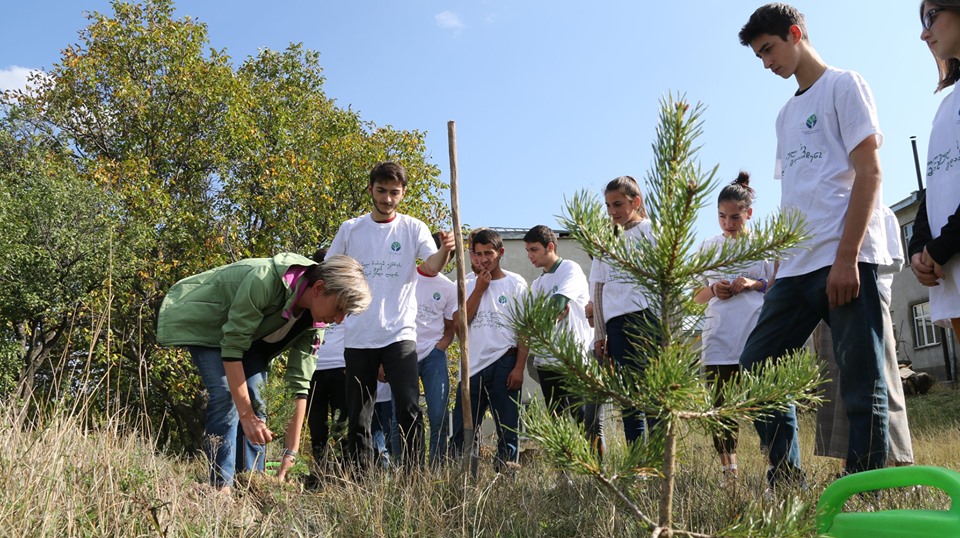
x,y
671,387
168,161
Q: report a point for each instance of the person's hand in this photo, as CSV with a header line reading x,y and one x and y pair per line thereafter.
x,y
722,290
929,261
564,313
286,463
515,379
447,241
923,270
483,281
255,429
843,284
600,349
742,284
588,311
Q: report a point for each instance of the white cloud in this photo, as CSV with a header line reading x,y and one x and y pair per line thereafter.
x,y
448,19
14,77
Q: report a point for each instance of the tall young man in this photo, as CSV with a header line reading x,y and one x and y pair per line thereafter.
x,y
827,160
564,285
384,337
497,361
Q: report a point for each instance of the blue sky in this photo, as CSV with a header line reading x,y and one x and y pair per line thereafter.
x,y
551,97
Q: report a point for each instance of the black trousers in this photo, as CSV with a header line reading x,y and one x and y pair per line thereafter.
x,y
327,400
399,361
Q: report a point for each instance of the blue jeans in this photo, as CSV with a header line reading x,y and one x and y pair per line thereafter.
x,y
436,391
791,310
629,338
488,388
382,427
222,434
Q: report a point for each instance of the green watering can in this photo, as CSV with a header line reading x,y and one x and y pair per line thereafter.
x,y
833,522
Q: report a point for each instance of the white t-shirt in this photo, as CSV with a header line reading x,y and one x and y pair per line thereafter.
x,y
943,198
330,352
388,252
885,279
384,394
816,132
729,322
621,294
436,302
489,335
569,281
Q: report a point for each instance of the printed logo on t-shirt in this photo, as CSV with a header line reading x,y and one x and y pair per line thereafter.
x,y
945,160
436,296
554,290
395,246
502,299
801,154
811,121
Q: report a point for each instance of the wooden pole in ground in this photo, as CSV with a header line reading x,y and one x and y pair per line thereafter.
x,y
468,432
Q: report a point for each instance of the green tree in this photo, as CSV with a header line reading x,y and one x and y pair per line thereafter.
x,y
56,235
202,164
298,164
671,387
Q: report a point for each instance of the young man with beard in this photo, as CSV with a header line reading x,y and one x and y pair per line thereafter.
x,y
383,340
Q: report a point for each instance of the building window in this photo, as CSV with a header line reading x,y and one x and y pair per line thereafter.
x,y
907,233
925,333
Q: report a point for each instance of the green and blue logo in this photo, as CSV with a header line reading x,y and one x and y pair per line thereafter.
x,y
811,121
502,299
395,246
436,296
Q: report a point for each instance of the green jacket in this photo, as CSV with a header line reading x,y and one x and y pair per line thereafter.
x,y
234,305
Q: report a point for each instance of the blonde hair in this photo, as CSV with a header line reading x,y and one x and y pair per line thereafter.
x,y
342,276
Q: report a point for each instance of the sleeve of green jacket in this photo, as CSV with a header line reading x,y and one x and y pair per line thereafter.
x,y
246,313
301,363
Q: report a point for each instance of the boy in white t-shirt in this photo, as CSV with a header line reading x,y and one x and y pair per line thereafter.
x,y
497,360
383,340
827,160
564,285
436,303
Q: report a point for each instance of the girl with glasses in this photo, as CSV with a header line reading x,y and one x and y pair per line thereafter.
x,y
936,236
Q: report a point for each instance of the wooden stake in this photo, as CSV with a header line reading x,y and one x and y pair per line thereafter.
x,y
468,431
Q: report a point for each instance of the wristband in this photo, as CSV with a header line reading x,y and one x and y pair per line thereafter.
x,y
288,452
764,288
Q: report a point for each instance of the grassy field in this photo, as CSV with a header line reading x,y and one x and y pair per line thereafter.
x,y
60,479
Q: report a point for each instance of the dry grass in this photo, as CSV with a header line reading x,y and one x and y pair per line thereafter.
x,y
59,478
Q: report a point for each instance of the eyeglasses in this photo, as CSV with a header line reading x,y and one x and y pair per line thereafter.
x,y
931,16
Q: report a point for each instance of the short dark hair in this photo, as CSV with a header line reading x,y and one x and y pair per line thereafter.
x,y
772,19
541,234
388,171
319,255
487,236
